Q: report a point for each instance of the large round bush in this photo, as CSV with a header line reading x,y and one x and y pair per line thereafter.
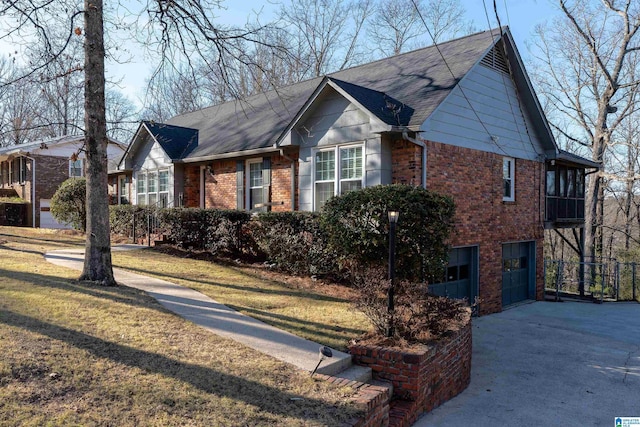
x,y
357,229
68,204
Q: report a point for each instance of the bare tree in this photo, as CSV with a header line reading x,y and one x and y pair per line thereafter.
x,y
122,116
399,25
177,30
328,31
586,72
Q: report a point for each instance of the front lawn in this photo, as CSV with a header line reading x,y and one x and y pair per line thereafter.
x,y
76,354
312,310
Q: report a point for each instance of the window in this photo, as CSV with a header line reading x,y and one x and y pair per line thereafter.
x,y
565,193
163,188
152,188
255,184
141,189
75,168
122,191
325,177
331,180
551,183
23,169
508,179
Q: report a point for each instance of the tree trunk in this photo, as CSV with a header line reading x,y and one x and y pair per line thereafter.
x,y
97,259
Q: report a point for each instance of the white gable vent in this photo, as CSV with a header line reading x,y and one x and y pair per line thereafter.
x,y
496,59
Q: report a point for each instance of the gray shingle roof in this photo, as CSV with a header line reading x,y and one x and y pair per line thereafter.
x,y
418,81
176,141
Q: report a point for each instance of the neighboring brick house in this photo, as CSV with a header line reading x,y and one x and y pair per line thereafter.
x,y
46,163
460,118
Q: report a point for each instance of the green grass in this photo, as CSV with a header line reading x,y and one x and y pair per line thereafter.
x,y
320,317
76,354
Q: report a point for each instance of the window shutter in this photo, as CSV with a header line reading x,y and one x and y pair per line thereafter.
x,y
240,184
266,182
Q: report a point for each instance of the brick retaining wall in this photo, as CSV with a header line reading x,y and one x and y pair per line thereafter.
x,y
422,379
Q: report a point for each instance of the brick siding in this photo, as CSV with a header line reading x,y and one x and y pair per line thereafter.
x,y
50,173
474,179
220,188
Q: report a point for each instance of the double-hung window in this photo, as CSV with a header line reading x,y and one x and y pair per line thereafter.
x,y
123,191
337,171
75,168
152,188
163,188
508,179
141,189
19,170
255,184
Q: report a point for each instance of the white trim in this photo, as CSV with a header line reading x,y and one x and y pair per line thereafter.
x,y
512,178
247,181
337,180
122,185
71,162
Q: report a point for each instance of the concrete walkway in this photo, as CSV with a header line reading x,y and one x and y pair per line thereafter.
x,y
550,364
223,321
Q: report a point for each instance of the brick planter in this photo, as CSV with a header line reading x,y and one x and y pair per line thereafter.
x,y
423,378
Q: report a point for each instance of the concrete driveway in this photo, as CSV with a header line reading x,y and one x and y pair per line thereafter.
x,y
550,364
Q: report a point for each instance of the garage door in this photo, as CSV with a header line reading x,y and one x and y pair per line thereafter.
x,y
518,267
461,278
46,219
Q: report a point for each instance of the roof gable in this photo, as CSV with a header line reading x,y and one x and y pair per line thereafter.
x,y
384,107
176,141
416,81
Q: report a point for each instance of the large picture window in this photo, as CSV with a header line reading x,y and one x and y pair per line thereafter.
x,y
152,188
338,170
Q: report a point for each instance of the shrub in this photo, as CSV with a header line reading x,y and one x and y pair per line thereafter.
x,y
358,229
417,316
121,219
68,204
221,232
295,242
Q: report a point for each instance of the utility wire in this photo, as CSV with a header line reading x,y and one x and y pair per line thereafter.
x,y
435,44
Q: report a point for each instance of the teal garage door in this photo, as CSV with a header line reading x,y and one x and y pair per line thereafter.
x,y
518,272
461,276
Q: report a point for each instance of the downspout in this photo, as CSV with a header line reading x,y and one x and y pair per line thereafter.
x,y
293,179
33,190
423,147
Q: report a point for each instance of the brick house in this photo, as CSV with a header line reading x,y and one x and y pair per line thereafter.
x,y
460,118
34,172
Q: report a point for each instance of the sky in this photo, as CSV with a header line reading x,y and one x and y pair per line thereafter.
x,y
521,15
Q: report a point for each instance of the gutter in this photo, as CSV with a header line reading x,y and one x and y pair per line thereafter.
x,y
247,153
423,147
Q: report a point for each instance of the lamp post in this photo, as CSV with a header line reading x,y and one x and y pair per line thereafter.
x,y
393,220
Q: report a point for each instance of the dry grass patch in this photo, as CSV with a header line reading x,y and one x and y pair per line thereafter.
x,y
76,354
320,312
